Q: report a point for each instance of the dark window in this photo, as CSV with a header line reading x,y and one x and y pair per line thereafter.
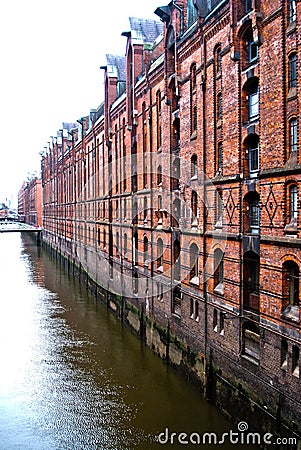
x,y
284,354
218,269
194,266
176,302
219,107
295,361
215,320
292,60
160,254
194,160
251,273
194,206
159,175
292,11
290,284
248,5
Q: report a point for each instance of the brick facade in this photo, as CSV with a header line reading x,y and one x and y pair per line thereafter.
x,y
180,193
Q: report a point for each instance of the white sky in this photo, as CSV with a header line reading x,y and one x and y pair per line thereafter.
x,y
50,54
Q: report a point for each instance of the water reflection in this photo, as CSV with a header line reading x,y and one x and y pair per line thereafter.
x,y
72,376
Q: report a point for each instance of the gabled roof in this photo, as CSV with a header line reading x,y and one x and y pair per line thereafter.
x,y
149,29
119,63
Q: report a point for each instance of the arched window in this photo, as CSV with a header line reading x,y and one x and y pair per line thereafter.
x,y
293,133
218,271
160,255
252,147
193,165
252,216
218,60
292,62
293,203
194,263
290,290
194,207
145,250
219,107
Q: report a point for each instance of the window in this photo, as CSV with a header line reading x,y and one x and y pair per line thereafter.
x,y
293,199
145,209
194,207
193,263
160,255
176,260
104,239
293,127
125,245
218,271
158,119
248,5
175,178
176,212
193,165
218,59
219,208
292,11
145,250
117,244
290,291
251,273
191,308
215,320
219,157
253,102
176,302
252,50
135,282
292,62
160,291
135,249
253,157
253,213
197,318
251,341
295,361
222,323
284,354
219,107
193,106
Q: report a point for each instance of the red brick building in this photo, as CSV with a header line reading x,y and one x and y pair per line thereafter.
x,y
179,196
30,202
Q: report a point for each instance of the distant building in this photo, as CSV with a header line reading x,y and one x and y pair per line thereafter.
x,y
30,202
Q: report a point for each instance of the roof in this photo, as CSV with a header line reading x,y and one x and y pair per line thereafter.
x,y
149,29
119,63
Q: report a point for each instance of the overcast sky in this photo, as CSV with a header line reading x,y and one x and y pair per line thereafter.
x,y
51,51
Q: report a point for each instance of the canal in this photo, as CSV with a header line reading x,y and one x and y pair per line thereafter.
x,y
74,377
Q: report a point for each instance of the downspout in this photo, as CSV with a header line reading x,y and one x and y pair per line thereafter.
x,y
206,369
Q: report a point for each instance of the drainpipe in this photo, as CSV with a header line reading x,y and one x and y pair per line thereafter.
x,y
206,369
